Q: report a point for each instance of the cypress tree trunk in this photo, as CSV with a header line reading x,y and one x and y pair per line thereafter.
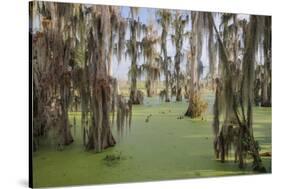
x,y
164,48
165,17
134,52
246,143
167,99
100,135
133,92
216,120
248,88
195,106
66,133
212,55
266,84
177,67
149,89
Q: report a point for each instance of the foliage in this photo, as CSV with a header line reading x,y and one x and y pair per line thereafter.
x,y
151,67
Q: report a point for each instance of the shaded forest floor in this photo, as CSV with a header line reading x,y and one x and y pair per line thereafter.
x,y
163,148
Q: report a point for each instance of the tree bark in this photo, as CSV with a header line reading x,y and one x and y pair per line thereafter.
x,y
266,84
195,55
